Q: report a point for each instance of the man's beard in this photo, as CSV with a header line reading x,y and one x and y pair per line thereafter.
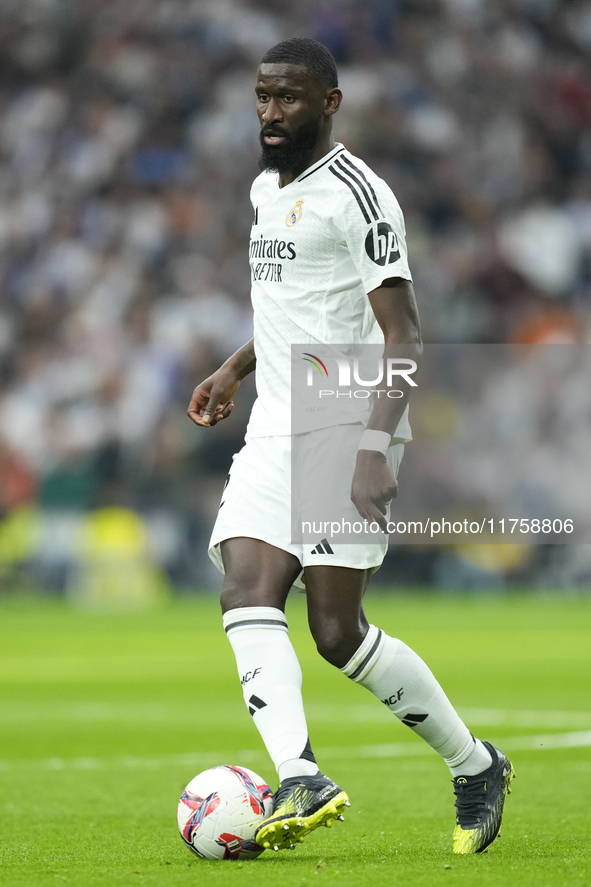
x,y
291,153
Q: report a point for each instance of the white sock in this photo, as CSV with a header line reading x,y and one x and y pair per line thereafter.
x,y
271,679
403,682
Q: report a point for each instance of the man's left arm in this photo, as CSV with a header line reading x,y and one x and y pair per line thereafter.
x,y
395,308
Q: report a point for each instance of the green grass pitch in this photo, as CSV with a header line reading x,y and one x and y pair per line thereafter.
x,y
104,718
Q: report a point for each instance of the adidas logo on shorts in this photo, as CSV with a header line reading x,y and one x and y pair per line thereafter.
x,y
322,548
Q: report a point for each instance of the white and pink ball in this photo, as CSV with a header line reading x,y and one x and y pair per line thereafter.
x,y
220,811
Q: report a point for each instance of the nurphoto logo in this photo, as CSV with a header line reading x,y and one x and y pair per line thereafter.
x,y
386,369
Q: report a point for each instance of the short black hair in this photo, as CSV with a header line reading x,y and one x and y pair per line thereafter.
x,y
308,53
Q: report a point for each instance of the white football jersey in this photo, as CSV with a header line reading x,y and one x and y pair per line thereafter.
x,y
318,246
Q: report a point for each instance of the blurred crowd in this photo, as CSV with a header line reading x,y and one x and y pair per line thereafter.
x,y
128,142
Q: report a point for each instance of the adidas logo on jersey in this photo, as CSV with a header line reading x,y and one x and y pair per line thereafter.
x,y
322,548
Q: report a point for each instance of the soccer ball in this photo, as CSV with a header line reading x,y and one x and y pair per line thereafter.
x,y
219,812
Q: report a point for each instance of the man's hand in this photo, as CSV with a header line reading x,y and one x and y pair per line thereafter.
x,y
212,399
373,487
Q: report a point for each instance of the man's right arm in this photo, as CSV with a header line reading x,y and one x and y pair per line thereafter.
x,y
212,399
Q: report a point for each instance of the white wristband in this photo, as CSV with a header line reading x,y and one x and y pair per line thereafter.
x,y
375,440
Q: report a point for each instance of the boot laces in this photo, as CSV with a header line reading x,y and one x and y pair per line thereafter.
x,y
470,802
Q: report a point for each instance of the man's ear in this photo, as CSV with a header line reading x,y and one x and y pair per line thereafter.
x,y
332,102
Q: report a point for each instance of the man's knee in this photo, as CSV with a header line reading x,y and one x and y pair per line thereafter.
x,y
248,594
336,641
230,598
250,588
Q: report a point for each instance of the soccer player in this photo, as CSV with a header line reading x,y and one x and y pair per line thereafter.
x,y
328,262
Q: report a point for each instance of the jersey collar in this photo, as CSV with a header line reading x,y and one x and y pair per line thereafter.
x,y
310,170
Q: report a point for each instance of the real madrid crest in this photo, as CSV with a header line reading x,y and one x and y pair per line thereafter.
x,y
294,215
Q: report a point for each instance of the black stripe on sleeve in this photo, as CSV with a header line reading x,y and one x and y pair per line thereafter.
x,y
355,194
362,188
362,665
367,182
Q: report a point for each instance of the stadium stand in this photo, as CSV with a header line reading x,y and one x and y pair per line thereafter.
x,y
127,147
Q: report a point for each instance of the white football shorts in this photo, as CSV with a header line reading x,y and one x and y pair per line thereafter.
x,y
257,502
